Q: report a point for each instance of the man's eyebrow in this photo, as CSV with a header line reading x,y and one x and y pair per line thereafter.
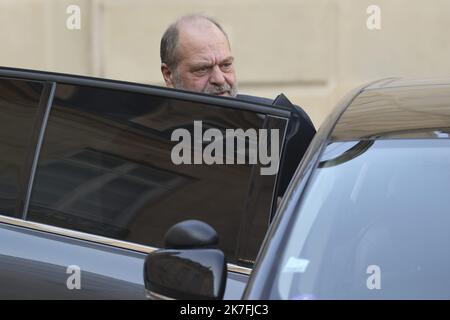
x,y
228,59
202,65
205,64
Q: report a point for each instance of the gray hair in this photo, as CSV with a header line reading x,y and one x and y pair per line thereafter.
x,y
169,39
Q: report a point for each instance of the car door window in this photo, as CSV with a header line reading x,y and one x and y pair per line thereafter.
x,y
19,103
105,168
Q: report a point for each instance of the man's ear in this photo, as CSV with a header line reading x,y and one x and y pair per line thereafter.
x,y
167,74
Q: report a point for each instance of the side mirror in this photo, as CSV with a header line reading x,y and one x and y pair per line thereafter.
x,y
190,267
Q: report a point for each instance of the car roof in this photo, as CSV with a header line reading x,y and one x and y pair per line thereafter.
x,y
397,108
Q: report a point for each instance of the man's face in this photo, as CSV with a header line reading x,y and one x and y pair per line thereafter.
x,y
205,63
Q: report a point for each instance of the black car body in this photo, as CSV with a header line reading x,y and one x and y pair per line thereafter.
x,y
87,184
88,188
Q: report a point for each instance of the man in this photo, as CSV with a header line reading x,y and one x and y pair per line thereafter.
x,y
196,56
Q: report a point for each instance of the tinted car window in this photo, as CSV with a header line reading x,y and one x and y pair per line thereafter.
x,y
19,101
105,168
373,223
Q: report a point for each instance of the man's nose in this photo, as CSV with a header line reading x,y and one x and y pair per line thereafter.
x,y
217,77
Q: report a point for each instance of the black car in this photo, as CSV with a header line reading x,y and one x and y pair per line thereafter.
x,y
366,216
88,186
